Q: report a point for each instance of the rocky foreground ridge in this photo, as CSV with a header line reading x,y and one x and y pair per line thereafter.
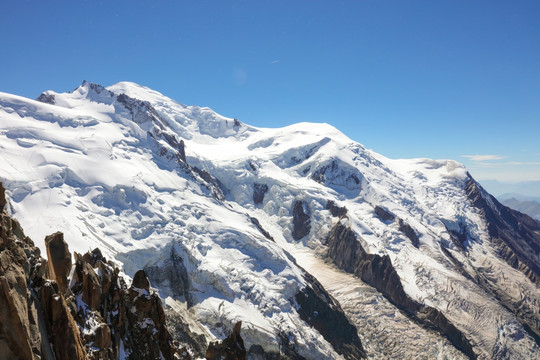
x,y
82,308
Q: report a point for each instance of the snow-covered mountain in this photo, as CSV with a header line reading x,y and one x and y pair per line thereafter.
x,y
321,247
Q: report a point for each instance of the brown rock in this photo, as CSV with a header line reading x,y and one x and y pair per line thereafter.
x,y
232,348
103,337
20,337
145,322
2,197
59,259
106,276
140,280
91,286
62,329
14,337
93,257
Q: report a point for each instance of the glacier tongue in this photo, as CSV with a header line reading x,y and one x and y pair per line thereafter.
x,y
175,189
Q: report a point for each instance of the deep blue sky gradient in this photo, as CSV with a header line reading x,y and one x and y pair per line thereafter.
x,y
438,79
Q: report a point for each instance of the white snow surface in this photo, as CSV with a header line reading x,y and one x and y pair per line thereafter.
x,y
105,176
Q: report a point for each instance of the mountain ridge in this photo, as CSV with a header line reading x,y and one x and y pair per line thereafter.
x,y
150,177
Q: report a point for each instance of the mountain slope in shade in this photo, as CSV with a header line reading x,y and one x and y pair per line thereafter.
x,y
236,223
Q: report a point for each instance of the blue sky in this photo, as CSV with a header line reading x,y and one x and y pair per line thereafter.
x,y
438,79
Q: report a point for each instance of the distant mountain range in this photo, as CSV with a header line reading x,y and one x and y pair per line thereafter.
x,y
526,204
525,188
311,244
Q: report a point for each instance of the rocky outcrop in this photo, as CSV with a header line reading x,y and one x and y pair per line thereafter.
x,y
335,210
20,336
59,264
210,182
2,198
409,232
301,220
347,253
177,145
87,279
36,320
182,333
405,228
317,308
50,312
146,320
384,214
232,348
115,317
98,89
46,98
141,111
62,329
258,192
168,144
140,281
258,225
459,237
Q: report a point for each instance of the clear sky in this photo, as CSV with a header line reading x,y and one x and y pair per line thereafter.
x,y
455,79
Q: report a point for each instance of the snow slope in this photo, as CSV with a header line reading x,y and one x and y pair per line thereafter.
x,y
153,182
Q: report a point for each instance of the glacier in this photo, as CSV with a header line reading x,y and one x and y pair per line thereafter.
x,y
233,223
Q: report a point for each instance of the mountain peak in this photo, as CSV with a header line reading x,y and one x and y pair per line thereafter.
x,y
137,91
